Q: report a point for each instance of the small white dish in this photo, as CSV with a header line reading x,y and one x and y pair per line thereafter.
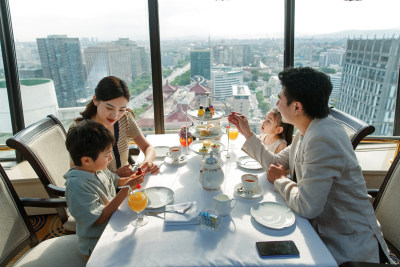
x,y
273,215
195,132
247,162
181,160
161,151
258,192
158,197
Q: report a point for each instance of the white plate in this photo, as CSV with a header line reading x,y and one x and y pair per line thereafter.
x,y
193,131
161,151
273,215
249,163
158,197
218,114
196,145
258,192
170,161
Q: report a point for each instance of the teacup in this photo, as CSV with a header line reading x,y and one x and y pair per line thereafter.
x,y
250,182
174,152
223,204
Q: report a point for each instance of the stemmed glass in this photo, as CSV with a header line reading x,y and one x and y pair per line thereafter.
x,y
137,201
233,133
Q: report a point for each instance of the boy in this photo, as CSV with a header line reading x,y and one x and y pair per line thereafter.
x,y
90,187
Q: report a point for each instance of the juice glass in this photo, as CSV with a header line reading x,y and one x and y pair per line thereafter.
x,y
137,201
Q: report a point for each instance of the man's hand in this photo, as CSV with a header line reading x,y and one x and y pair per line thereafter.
x,y
241,122
275,172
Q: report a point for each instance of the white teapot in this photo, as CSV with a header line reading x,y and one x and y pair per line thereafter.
x,y
211,174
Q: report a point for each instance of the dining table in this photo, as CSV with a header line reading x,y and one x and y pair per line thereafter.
x,y
233,243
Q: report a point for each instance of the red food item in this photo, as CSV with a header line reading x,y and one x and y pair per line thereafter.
x,y
139,171
138,186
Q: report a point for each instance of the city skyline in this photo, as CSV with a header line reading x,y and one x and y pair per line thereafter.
x,y
180,19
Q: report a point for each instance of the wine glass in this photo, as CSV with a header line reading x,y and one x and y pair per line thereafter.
x,y
137,201
233,133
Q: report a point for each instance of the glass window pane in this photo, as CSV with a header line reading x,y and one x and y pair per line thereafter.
x,y
5,118
231,49
358,49
64,49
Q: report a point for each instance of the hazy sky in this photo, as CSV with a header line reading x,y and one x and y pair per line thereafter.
x,y
108,20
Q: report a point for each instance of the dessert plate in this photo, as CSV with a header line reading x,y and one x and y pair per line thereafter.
x,y
196,145
242,194
273,215
158,197
247,162
161,151
218,114
196,133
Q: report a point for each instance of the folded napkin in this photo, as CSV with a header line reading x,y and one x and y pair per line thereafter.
x,y
173,218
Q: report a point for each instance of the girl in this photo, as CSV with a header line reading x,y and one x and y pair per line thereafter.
x,y
109,107
275,134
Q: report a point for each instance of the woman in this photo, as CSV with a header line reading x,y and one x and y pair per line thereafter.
x,y
109,107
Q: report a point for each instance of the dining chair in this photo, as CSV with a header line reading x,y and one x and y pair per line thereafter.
x,y
17,233
42,144
387,212
355,128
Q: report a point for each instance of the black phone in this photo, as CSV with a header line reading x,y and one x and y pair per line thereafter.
x,y
286,248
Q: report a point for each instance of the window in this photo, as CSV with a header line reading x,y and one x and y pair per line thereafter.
x,y
64,48
345,30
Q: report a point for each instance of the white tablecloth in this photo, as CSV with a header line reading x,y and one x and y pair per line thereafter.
x,y
191,245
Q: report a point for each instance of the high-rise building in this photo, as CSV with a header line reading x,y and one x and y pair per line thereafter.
x,y
241,55
369,81
223,79
200,63
121,58
331,57
61,62
335,80
241,99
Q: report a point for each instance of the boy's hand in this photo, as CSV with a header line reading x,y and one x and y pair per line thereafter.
x,y
275,172
150,167
124,171
135,179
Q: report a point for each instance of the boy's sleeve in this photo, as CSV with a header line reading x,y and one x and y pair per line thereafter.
x,y
83,203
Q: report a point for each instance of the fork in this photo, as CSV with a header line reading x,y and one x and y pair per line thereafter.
x,y
182,211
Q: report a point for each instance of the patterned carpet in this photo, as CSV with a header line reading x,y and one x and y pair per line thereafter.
x,y
46,227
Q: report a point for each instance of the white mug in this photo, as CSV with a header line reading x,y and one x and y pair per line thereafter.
x,y
174,152
223,204
250,182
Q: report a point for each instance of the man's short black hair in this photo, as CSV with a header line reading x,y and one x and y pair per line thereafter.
x,y
310,87
87,139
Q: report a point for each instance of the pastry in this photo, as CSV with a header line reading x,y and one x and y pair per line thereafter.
x,y
204,132
203,150
206,143
200,112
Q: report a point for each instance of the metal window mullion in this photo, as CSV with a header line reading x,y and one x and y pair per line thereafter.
x,y
288,55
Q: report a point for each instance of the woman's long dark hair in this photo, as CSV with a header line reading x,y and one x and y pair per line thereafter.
x,y
287,133
108,88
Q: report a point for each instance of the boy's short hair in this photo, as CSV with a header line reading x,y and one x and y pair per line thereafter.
x,y
87,139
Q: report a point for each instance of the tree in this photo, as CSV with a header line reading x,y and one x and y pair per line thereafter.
x,y
328,70
252,85
183,79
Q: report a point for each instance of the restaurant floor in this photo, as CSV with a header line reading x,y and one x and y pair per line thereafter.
x,y
46,227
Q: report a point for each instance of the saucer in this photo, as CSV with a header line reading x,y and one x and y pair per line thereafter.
x,y
182,159
258,192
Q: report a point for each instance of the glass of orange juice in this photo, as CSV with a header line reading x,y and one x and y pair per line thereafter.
x,y
233,133
137,201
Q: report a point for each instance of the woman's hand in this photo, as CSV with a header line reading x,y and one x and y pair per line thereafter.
x,y
150,167
241,123
124,171
275,172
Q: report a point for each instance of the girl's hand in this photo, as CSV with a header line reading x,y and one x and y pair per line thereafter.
x,y
124,171
150,167
275,172
241,123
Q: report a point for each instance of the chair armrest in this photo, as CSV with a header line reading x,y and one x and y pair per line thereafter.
x,y
133,151
44,202
59,191
373,192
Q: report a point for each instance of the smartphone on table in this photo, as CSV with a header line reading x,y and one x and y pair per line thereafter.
x,y
286,248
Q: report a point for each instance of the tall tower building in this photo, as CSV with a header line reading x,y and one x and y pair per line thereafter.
x,y
335,80
223,79
369,82
200,63
61,62
241,99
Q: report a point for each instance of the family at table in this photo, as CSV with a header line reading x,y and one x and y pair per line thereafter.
x,y
325,182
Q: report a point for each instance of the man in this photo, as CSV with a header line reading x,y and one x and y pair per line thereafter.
x,y
330,190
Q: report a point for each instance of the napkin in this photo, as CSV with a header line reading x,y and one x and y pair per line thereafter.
x,y
173,218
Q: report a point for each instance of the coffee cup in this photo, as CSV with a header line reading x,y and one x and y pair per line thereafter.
x,y
250,182
174,152
223,204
